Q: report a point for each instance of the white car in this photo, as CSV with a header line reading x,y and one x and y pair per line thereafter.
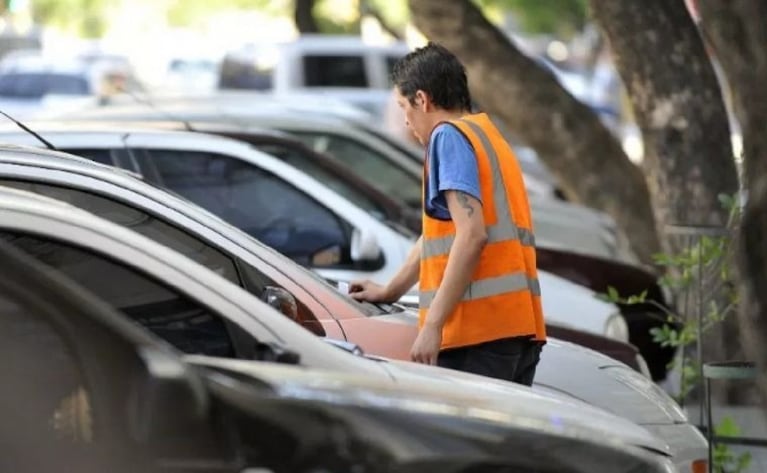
x,y
331,128
310,223
199,312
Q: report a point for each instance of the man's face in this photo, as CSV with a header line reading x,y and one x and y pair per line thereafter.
x,y
415,115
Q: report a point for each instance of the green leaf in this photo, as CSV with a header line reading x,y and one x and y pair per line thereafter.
x,y
727,428
612,293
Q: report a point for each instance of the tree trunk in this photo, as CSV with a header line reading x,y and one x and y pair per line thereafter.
x,y
753,272
736,30
583,155
303,15
678,106
688,152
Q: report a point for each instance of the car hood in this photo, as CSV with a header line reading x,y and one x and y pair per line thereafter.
x,y
601,381
419,385
606,383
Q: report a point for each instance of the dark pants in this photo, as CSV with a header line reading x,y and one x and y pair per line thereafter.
x,y
510,359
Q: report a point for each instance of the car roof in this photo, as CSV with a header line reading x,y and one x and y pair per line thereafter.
x,y
297,102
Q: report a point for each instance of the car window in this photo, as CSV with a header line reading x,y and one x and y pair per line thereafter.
x,y
43,397
169,314
390,62
38,85
259,203
140,222
335,71
308,164
368,164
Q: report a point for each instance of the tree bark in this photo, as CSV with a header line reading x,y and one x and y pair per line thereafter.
x,y
583,155
753,272
736,31
678,105
303,15
688,161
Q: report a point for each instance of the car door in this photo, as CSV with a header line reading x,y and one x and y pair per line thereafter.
x,y
202,251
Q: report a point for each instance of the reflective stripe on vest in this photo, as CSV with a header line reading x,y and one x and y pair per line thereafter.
x,y
489,287
504,230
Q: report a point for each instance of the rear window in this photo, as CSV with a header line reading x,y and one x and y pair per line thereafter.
x,y
335,71
38,85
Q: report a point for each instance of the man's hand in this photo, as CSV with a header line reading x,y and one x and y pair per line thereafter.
x,y
426,346
368,291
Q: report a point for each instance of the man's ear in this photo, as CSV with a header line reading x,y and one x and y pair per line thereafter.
x,y
422,101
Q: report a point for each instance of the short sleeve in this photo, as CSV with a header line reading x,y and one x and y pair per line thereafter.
x,y
453,166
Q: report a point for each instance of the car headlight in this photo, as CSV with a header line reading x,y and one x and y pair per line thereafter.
x,y
617,328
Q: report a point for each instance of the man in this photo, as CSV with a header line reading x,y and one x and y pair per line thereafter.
x,y
480,307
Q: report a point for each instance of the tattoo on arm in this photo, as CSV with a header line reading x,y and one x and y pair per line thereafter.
x,y
464,200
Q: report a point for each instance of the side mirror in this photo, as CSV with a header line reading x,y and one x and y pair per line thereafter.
x,y
364,246
173,401
280,299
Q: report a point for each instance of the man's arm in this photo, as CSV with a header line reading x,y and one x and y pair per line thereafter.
x,y
470,238
408,274
405,278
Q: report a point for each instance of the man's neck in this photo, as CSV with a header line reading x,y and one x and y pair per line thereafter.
x,y
440,116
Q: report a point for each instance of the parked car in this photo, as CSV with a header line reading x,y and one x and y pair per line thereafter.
x,y
199,312
574,242
380,329
88,391
35,85
312,61
310,223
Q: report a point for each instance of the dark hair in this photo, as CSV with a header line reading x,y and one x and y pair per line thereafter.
x,y
436,71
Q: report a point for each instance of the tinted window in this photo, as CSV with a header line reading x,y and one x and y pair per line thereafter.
x,y
390,62
257,202
370,165
335,71
31,85
140,222
309,165
44,405
172,316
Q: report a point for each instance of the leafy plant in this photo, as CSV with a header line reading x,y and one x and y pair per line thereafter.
x,y
724,459
700,271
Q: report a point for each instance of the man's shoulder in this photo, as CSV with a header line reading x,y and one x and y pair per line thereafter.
x,y
448,134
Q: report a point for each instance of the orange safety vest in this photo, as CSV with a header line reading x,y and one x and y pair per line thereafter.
x,y
504,298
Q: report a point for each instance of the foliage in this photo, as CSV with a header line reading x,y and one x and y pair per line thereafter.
x,y
562,18
188,12
87,17
702,267
725,460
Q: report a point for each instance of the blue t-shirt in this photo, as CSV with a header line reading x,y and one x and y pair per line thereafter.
x,y
452,166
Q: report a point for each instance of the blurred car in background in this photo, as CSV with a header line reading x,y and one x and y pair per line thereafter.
x,y
32,84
